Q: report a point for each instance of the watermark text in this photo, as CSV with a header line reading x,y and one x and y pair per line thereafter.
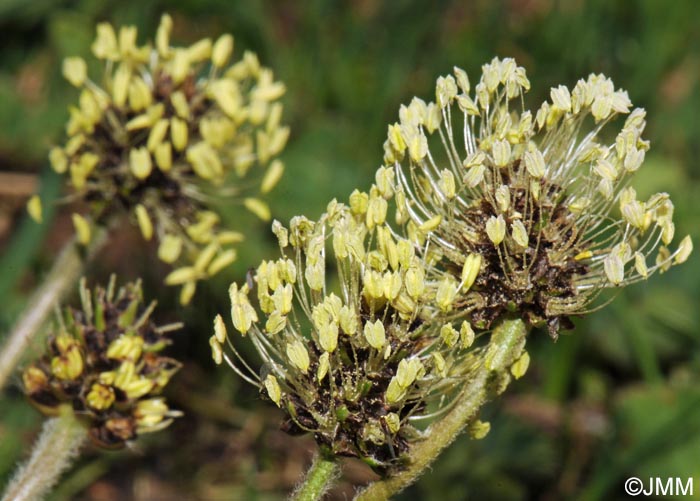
x,y
660,486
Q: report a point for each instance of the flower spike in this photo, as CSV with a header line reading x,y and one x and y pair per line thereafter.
x,y
103,361
540,196
358,364
159,138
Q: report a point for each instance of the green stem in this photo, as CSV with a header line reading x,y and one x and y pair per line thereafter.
x,y
53,452
319,479
63,275
506,346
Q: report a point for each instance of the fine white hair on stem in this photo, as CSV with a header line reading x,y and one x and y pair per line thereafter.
x,y
54,451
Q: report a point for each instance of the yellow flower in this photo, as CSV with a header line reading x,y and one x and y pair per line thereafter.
x,y
34,208
374,341
75,70
530,192
104,362
170,129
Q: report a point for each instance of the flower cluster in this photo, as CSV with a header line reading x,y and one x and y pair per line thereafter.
x,y
512,220
541,197
103,362
160,139
357,367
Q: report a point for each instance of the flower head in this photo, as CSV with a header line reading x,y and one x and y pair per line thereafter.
x,y
542,198
103,361
357,358
159,139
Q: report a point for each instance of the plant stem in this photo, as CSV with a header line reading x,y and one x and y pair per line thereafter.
x,y
63,275
319,479
53,452
506,346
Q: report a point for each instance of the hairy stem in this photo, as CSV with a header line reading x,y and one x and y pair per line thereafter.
x,y
506,346
53,452
319,479
63,275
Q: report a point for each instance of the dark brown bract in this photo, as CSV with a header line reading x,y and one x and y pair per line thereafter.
x,y
164,133
359,363
526,284
348,415
534,208
103,362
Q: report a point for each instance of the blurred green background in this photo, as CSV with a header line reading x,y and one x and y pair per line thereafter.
x,y
616,397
